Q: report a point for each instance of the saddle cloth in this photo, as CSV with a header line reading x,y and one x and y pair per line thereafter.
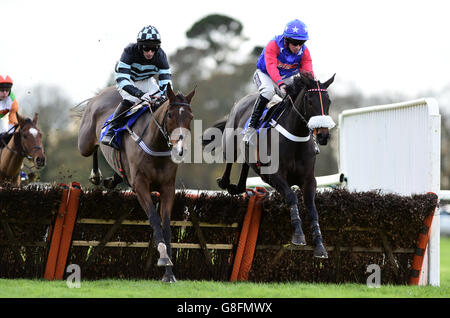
x,y
129,120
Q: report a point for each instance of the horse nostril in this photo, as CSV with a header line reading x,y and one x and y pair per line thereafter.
x,y
40,161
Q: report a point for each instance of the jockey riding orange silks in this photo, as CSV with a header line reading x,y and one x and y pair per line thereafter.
x,y
8,104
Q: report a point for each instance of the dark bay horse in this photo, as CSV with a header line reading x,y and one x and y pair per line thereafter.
x,y
304,110
149,171
25,142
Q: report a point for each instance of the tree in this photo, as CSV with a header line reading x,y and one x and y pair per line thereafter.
x,y
220,35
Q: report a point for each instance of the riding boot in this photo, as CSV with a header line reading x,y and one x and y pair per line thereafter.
x,y
258,109
109,138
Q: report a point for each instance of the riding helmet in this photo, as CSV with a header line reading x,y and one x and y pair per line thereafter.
x,y
149,34
6,81
296,30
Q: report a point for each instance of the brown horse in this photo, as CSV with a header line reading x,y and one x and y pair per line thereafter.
x,y
26,142
147,160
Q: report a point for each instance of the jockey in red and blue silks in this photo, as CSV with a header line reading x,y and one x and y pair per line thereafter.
x,y
283,57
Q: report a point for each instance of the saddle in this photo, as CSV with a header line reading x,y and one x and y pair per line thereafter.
x,y
129,119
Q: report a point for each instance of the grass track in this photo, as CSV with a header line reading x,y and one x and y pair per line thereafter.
x,y
23,288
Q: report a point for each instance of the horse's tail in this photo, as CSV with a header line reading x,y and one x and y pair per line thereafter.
x,y
220,124
78,110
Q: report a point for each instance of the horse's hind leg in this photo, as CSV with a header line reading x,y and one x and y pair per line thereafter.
x,y
240,187
112,182
96,175
224,182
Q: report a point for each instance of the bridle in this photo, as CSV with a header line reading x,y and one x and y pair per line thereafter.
x,y
305,94
22,152
163,127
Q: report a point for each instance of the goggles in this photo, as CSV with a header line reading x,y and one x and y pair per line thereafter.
x,y
296,42
147,48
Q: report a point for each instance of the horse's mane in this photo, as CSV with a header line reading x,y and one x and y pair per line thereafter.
x,y
298,84
181,97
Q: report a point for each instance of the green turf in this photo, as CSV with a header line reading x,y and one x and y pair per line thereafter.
x,y
17,288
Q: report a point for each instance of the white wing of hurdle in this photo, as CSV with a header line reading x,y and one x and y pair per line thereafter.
x,y
394,148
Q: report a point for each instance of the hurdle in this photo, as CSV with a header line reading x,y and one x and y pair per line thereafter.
x,y
392,148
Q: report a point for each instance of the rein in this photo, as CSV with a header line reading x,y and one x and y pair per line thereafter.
x,y
283,131
162,128
287,134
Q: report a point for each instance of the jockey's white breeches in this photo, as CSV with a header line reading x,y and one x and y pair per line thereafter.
x,y
266,87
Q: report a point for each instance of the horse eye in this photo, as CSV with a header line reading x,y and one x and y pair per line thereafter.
x,y
169,115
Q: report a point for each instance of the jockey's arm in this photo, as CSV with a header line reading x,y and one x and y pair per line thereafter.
x,y
12,118
123,79
270,56
164,73
306,63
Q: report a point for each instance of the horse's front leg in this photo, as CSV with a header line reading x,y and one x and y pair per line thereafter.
x,y
96,175
280,184
234,189
224,182
167,197
309,195
143,194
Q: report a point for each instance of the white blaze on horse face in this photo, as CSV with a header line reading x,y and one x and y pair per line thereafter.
x,y
180,138
181,110
180,142
34,132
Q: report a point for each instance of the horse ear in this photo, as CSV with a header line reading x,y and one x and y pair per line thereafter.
x,y
35,119
190,95
328,83
170,93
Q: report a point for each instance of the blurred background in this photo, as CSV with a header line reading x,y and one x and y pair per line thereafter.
x,y
217,55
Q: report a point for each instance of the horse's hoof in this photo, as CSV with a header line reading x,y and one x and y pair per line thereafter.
x,y
109,183
320,251
169,279
222,184
164,262
96,180
234,189
298,239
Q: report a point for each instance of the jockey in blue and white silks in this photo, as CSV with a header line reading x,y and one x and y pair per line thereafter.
x,y
135,72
